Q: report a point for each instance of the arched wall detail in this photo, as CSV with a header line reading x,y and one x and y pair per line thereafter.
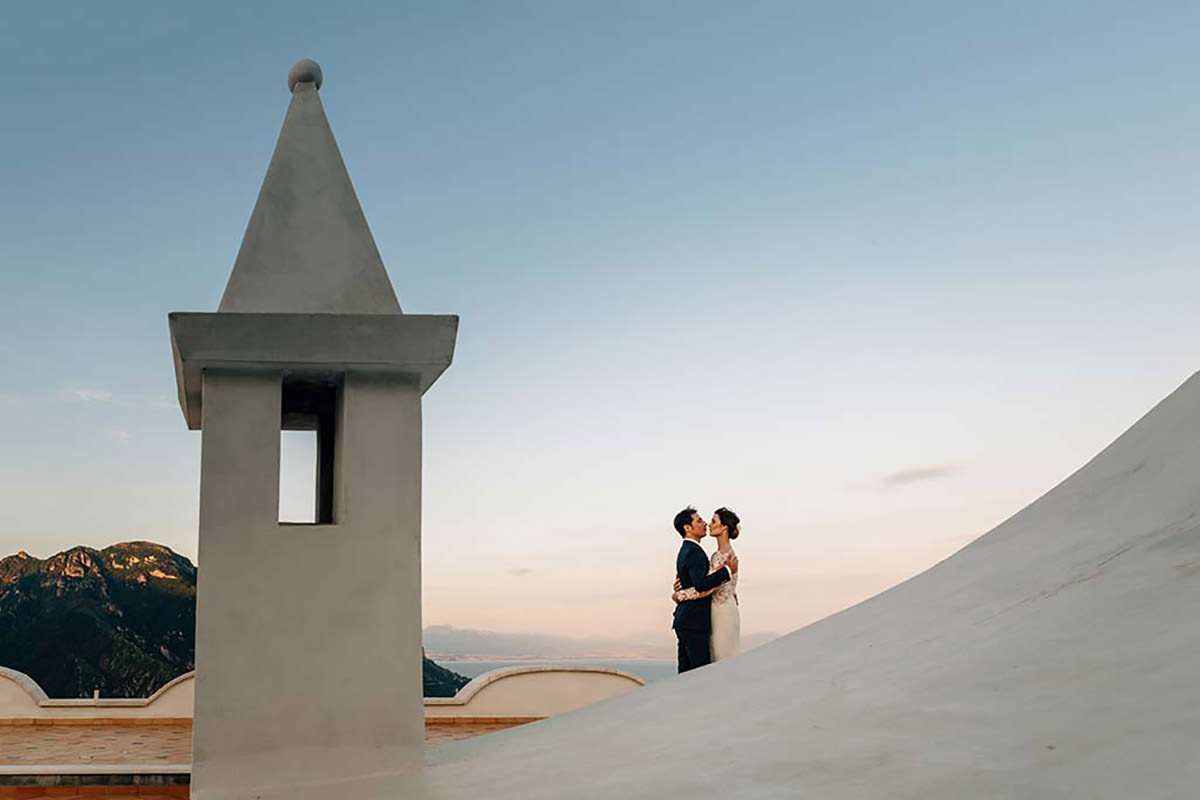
x,y
531,692
526,692
20,696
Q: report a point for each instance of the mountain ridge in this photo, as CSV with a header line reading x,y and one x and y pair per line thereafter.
x,y
119,620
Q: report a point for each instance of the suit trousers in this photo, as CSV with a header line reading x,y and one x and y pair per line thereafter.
x,y
694,650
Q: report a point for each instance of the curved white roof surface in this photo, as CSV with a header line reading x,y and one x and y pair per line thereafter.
x,y
1058,656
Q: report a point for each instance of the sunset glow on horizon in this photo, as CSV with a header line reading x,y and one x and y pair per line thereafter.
x,y
876,278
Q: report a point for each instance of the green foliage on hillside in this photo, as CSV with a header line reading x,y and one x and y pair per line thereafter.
x,y
121,620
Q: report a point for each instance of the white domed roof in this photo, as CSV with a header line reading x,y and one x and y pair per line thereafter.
x,y
1056,656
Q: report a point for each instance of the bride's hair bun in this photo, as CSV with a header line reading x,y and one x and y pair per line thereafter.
x,y
730,520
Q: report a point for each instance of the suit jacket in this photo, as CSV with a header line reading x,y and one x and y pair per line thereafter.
x,y
691,567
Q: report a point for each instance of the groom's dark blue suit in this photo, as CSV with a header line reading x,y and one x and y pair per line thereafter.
x,y
693,618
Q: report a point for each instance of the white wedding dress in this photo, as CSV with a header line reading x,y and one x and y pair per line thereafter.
x,y
726,641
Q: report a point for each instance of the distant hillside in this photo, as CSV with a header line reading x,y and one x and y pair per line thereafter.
x,y
447,640
121,620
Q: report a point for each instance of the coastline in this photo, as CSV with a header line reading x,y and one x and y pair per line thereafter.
x,y
648,669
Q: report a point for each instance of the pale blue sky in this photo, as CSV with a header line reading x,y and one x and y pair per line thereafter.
x,y
763,254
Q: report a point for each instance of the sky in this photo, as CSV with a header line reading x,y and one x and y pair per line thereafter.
x,y
874,274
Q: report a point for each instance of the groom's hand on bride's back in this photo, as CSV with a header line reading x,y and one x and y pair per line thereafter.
x,y
732,564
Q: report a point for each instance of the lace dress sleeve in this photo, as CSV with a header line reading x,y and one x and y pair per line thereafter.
x,y
727,591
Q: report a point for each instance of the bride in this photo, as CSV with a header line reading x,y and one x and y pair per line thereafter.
x,y
726,622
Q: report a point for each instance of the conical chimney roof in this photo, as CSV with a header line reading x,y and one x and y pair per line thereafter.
x,y
308,294
307,248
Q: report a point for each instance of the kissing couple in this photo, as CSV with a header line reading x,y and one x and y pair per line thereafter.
x,y
707,624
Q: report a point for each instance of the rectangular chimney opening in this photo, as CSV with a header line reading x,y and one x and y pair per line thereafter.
x,y
306,451
298,477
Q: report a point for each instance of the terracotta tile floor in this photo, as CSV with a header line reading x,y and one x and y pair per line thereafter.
x,y
144,744
107,792
441,734
95,744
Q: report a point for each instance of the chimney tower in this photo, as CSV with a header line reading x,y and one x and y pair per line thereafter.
x,y
308,640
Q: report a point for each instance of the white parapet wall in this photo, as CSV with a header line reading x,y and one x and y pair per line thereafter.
x,y
515,693
531,692
22,699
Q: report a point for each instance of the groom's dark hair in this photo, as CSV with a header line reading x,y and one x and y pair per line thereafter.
x,y
684,518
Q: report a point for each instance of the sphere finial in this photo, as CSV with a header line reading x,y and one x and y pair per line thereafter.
x,y
305,71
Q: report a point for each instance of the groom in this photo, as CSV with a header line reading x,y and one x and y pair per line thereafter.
x,y
693,625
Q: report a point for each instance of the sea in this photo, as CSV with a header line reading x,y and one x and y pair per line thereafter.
x,y
648,669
